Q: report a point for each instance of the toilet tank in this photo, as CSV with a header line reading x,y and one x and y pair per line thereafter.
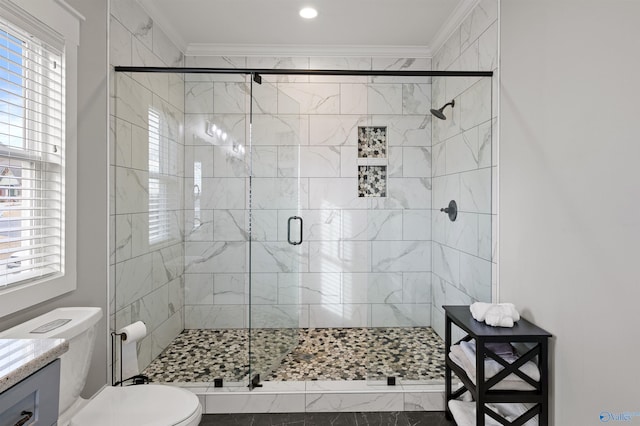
x,y
78,327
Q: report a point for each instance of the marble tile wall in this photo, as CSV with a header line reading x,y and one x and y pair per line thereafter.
x,y
465,165
146,274
364,261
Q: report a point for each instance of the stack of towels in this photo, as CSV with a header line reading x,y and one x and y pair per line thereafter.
x,y
495,314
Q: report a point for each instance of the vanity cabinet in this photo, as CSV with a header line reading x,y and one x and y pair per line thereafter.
x,y
33,400
523,332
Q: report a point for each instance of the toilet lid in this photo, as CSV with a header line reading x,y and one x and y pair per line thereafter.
x,y
139,405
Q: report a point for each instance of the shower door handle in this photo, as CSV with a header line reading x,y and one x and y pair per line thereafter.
x,y
292,218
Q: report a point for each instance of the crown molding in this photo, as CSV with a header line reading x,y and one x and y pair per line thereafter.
x,y
164,23
452,23
214,49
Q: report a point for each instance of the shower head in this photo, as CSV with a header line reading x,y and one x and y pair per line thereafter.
x,y
438,112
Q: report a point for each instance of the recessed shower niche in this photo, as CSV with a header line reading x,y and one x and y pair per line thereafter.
x,y
210,168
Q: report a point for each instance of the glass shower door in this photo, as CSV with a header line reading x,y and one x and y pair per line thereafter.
x,y
277,243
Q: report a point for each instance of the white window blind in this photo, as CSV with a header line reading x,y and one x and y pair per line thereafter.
x,y
163,194
32,155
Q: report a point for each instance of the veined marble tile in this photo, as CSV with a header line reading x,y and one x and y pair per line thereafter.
x,y
139,234
446,263
229,225
395,161
405,130
475,191
485,226
400,315
211,316
454,296
218,257
339,256
335,129
368,225
198,289
438,289
280,193
463,233
439,160
318,225
462,152
319,161
437,322
280,63
488,48
199,227
416,98
168,264
265,98
325,315
384,98
281,129
424,401
475,277
475,104
445,189
252,403
320,288
140,148
176,90
356,315
372,287
264,288
230,97
203,160
288,164
132,101
119,43
198,97
309,98
171,120
132,190
264,225
143,56
135,19
123,236
354,402
405,193
233,125
416,287
401,64
416,224
399,256
264,161
274,316
416,162
216,62
448,52
229,289
482,16
222,193
279,257
353,98
153,308
336,63
485,140
133,280
164,48
348,162
335,193
230,161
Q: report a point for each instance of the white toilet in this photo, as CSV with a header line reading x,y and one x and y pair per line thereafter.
x,y
140,405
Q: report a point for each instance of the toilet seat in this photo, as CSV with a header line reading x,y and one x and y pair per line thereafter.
x,y
142,405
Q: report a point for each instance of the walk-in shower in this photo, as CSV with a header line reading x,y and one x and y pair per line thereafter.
x,y
285,225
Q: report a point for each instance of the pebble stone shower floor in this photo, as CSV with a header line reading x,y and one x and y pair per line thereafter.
x,y
415,353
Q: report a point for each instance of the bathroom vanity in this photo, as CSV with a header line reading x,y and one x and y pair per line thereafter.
x,y
30,380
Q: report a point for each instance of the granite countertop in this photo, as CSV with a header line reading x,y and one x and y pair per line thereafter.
x,y
20,358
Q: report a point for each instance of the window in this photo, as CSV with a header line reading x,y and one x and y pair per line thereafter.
x,y
38,151
32,158
163,190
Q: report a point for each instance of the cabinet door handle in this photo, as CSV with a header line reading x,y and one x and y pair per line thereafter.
x,y
26,417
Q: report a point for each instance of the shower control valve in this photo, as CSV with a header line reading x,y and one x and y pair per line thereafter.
x,y
451,210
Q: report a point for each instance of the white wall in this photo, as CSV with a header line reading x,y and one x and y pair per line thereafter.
x,y
92,186
570,193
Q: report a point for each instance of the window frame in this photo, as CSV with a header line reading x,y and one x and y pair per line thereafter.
x,y
55,23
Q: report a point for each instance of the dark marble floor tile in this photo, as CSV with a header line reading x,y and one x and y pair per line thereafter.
x,y
407,418
428,418
284,419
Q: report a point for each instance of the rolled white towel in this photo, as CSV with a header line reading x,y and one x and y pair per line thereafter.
x,y
479,310
499,316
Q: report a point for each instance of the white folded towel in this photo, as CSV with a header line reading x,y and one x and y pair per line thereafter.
x,y
495,314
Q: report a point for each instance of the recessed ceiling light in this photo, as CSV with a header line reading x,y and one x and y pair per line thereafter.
x,y
308,13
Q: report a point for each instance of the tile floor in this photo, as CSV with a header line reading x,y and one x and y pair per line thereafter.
x,y
415,353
